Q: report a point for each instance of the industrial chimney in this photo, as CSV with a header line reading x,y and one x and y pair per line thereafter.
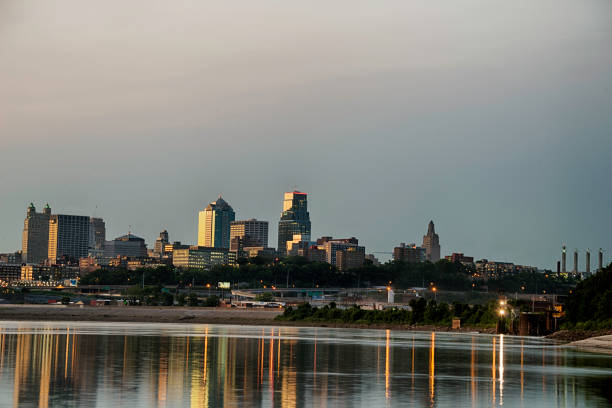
x,y
576,261
587,268
600,259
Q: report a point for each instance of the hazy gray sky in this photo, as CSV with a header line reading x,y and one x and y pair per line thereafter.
x,y
493,118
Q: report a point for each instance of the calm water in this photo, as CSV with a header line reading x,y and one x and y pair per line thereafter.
x,y
137,365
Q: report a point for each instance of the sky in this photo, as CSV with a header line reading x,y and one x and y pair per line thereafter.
x,y
492,118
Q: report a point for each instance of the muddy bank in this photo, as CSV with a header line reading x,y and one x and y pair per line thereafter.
x,y
576,335
199,315
600,344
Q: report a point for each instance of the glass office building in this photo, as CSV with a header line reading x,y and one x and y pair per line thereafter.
x,y
294,220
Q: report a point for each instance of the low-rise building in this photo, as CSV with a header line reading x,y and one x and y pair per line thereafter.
x,y
198,257
409,253
9,273
127,245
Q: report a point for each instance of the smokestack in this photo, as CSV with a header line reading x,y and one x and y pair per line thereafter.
x,y
576,261
558,267
600,259
563,260
587,268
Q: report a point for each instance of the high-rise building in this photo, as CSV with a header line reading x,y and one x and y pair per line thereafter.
x,y
35,238
68,237
127,245
294,219
248,233
431,243
97,234
160,243
214,224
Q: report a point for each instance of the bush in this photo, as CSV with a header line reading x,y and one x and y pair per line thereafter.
x,y
65,300
192,299
212,301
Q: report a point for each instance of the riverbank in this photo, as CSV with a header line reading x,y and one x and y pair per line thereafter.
x,y
197,315
600,344
569,336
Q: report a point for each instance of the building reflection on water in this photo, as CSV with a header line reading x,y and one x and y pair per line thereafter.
x,y
281,367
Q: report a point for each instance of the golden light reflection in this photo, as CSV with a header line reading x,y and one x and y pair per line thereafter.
x,y
493,368
45,370
387,367
501,369
432,368
271,367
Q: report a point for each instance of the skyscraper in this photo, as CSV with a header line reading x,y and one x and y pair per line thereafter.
x,y
214,224
294,219
97,234
248,233
35,238
68,237
431,243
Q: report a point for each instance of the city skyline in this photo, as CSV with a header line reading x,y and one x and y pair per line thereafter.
x,y
288,203
389,114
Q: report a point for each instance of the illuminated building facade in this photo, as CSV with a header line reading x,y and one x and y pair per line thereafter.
x,y
214,224
35,238
294,219
68,237
198,257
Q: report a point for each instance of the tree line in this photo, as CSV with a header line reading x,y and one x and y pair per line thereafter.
x,y
299,272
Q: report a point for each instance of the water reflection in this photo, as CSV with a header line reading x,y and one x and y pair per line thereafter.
x,y
200,365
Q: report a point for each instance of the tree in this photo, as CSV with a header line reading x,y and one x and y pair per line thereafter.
x,y
211,301
192,299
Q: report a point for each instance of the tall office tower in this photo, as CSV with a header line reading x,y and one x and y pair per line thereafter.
x,y
294,220
563,270
214,224
97,233
161,242
68,237
431,243
35,237
587,268
249,233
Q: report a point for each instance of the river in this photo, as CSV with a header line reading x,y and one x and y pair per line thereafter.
x,y
145,364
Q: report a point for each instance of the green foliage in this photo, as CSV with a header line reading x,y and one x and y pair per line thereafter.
x,y
422,312
167,299
590,303
299,272
211,301
192,299
265,297
181,299
65,300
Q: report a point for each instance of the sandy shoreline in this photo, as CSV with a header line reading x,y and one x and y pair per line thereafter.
x,y
600,344
196,315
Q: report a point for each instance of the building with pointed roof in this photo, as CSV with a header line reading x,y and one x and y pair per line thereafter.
x,y
214,224
431,243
